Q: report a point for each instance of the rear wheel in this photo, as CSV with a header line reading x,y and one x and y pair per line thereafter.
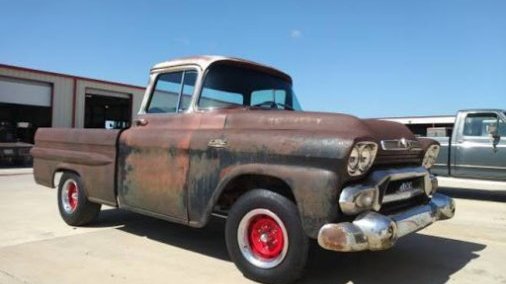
x,y
75,208
265,238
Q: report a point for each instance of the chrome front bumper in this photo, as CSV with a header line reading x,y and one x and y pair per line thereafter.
x,y
374,231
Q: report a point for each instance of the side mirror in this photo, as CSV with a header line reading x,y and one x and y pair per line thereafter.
x,y
492,131
494,134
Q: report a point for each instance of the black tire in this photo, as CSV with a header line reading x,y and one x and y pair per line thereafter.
x,y
81,211
290,264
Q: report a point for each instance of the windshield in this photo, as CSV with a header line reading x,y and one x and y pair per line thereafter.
x,y
232,86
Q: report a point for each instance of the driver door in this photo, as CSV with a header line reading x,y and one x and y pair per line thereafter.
x,y
475,154
154,154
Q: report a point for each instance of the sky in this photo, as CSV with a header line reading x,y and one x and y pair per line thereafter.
x,y
363,57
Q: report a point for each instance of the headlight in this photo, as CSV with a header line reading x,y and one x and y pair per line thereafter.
x,y
430,156
361,158
353,160
366,157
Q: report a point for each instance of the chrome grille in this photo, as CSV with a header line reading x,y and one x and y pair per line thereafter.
x,y
403,189
400,145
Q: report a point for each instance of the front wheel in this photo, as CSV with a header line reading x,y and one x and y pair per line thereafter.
x,y
75,208
265,238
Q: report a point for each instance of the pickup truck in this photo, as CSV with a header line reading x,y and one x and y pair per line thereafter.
x,y
475,149
227,137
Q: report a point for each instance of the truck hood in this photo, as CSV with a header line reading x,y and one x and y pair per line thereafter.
x,y
343,124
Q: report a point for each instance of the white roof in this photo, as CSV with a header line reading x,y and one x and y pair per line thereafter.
x,y
204,61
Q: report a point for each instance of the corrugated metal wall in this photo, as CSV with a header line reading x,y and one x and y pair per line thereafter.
x,y
64,113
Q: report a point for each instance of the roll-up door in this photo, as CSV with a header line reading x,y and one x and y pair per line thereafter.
x,y
24,106
14,91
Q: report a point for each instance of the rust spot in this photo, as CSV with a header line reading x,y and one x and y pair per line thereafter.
x,y
334,239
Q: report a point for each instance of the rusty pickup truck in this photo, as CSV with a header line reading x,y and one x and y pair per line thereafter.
x,y
227,137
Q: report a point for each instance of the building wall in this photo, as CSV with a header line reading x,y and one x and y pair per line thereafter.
x,y
421,124
68,93
61,93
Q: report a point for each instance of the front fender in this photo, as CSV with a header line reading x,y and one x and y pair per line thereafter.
x,y
315,190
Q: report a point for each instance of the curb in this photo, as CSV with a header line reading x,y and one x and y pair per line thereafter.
x,y
16,171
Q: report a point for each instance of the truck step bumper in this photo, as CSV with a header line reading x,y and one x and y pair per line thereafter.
x,y
374,231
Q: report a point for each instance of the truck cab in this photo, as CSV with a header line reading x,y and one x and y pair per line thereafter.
x,y
477,146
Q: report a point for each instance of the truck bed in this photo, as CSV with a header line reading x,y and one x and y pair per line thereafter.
x,y
91,153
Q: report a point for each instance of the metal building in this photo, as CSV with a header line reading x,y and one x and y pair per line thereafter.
x,y
32,98
440,125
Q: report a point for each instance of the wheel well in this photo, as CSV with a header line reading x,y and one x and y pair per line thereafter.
x,y
58,173
239,185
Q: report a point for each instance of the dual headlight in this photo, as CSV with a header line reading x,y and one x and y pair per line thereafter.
x,y
430,156
361,158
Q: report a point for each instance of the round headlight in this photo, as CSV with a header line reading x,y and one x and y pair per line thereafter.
x,y
365,158
353,160
430,156
361,158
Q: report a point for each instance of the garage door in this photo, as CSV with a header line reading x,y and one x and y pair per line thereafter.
x,y
106,109
14,91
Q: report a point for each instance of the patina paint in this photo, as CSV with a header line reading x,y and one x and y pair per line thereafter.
x,y
180,166
90,153
154,163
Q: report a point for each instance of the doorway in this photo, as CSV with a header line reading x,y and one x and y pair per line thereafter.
x,y
107,112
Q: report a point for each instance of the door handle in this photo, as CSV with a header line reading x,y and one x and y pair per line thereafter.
x,y
140,122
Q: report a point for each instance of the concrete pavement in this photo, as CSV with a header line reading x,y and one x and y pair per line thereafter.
x,y
36,246
15,171
475,184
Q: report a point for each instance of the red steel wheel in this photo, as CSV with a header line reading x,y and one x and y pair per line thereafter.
x,y
70,195
262,238
73,204
265,238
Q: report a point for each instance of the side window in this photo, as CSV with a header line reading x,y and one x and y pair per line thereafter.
x,y
261,96
217,98
167,91
502,127
479,124
190,77
165,95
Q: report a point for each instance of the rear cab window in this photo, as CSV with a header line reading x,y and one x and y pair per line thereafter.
x,y
212,98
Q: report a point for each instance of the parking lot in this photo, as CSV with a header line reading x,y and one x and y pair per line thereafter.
x,y
36,246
